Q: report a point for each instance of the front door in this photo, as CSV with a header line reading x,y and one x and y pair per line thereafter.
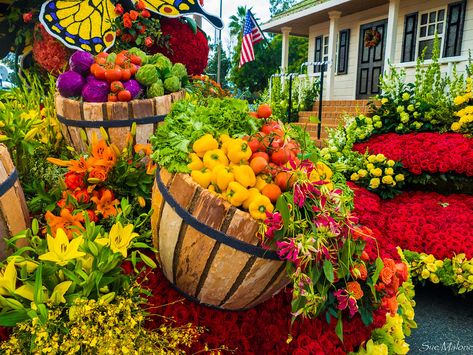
x,y
370,58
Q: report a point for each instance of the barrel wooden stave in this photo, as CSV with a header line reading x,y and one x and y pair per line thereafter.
x,y
199,266
14,215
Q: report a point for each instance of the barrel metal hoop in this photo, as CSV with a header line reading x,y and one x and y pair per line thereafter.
x,y
111,124
9,182
211,232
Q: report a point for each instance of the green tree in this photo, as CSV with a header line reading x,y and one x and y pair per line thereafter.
x,y
212,66
238,21
277,6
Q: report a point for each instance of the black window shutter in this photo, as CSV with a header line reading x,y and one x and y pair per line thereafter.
x,y
454,31
319,52
343,49
410,36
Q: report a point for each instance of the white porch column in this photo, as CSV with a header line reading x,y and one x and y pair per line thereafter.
x,y
332,52
391,32
285,48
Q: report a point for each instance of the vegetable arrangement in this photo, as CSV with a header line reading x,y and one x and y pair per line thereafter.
x,y
124,76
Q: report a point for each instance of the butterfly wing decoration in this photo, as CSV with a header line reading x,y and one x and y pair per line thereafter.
x,y
176,8
84,25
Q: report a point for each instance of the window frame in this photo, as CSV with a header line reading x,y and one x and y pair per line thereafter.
x,y
431,37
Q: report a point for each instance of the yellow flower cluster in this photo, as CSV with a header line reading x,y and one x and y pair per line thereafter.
x,y
426,267
463,269
466,113
98,327
378,171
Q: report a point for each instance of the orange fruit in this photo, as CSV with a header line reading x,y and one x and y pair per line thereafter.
x,y
284,180
258,164
271,191
264,111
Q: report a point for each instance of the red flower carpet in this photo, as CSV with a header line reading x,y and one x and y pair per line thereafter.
x,y
419,221
424,152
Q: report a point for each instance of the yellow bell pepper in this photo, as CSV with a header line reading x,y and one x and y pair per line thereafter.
x,y
252,194
202,177
215,157
224,138
226,143
196,162
260,182
238,151
204,144
222,176
236,193
259,206
244,175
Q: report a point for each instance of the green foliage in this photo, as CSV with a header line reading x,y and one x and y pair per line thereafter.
x,y
225,65
189,120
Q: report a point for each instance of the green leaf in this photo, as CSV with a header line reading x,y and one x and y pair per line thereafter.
x,y
339,327
147,260
281,206
43,313
328,270
314,119
192,24
12,318
379,266
38,285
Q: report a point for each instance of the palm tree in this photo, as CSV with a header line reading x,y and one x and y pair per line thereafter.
x,y
237,21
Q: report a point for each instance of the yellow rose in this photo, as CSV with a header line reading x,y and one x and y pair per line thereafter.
x,y
384,101
374,183
389,171
376,172
388,180
380,158
362,173
399,177
354,177
369,166
459,100
456,126
372,158
391,163
425,274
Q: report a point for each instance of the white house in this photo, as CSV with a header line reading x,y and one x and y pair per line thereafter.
x,y
359,38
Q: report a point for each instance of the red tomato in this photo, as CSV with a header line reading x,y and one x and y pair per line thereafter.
x,y
267,128
258,164
272,169
284,180
102,55
121,59
135,59
113,75
276,143
280,157
253,142
264,111
112,98
101,60
116,86
264,144
261,154
124,96
253,114
133,69
126,74
100,72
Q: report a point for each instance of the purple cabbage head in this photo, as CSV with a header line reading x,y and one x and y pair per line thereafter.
x,y
70,84
133,87
96,91
81,62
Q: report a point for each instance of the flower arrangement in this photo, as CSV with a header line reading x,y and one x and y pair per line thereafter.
x,y
203,85
48,52
372,38
465,112
137,27
380,174
102,183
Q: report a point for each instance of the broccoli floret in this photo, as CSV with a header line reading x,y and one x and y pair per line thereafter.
x,y
155,90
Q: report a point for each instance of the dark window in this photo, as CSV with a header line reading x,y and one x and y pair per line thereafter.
x,y
343,49
410,32
454,31
318,54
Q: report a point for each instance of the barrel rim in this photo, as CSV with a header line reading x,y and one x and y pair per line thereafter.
x,y
215,234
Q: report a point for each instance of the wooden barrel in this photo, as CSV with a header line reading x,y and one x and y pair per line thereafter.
x,y
208,249
13,211
115,117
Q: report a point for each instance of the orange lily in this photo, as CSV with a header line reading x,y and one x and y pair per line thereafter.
x,y
106,204
66,221
145,148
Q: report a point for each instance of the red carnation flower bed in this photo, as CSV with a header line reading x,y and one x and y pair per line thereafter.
x,y
419,221
424,152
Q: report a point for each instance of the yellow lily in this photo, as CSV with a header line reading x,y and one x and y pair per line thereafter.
x,y
8,279
26,291
120,238
59,291
61,251
20,261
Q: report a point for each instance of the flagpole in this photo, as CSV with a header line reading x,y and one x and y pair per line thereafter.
x,y
219,50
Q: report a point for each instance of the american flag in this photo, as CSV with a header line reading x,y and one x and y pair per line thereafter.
x,y
251,35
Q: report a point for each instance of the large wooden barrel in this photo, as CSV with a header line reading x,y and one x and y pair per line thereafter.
x,y
208,249
115,117
13,211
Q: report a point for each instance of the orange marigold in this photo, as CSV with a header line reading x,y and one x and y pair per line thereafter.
x,y
354,288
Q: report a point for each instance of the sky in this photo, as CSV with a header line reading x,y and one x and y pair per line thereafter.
x,y
260,9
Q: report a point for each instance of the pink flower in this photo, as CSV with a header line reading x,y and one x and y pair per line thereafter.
x,y
346,301
288,251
